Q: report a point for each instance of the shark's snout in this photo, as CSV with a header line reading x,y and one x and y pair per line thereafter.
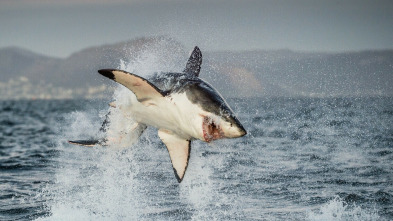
x,y
234,130
242,131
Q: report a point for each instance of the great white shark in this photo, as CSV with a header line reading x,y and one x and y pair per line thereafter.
x,y
182,106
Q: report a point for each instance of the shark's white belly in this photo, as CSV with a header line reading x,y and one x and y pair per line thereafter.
x,y
174,113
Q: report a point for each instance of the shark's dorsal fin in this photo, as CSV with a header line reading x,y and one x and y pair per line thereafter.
x,y
193,65
142,88
179,150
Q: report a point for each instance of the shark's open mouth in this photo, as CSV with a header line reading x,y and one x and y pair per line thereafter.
x,y
211,131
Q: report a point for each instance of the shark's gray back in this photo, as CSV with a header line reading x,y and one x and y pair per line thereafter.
x,y
168,82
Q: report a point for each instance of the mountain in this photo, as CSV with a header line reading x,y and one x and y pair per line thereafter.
x,y
26,75
288,73
16,62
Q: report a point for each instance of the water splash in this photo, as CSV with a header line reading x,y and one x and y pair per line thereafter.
x,y
121,184
90,183
197,188
338,209
162,55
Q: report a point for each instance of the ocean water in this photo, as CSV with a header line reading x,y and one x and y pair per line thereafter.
x,y
302,159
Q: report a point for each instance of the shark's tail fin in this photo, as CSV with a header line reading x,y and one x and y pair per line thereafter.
x,y
119,135
87,143
94,142
105,124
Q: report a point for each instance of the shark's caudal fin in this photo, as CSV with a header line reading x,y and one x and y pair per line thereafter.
x,y
105,124
90,143
179,151
194,63
86,143
127,136
142,88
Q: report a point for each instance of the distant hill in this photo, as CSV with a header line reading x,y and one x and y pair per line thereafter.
x,y
17,62
288,73
26,75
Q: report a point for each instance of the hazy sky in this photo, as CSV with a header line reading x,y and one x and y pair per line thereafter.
x,y
59,28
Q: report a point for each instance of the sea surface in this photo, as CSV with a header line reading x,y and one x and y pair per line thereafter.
x,y
302,159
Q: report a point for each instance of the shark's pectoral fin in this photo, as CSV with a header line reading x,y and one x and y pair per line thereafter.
x,y
179,150
142,88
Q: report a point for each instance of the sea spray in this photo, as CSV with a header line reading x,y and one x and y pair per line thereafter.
x,y
267,176
337,209
201,190
102,183
158,56
197,187
289,169
90,183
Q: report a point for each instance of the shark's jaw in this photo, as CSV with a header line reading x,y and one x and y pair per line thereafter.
x,y
215,127
211,130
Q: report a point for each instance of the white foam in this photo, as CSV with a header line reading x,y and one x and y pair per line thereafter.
x,y
90,183
201,193
336,209
93,186
102,183
197,188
